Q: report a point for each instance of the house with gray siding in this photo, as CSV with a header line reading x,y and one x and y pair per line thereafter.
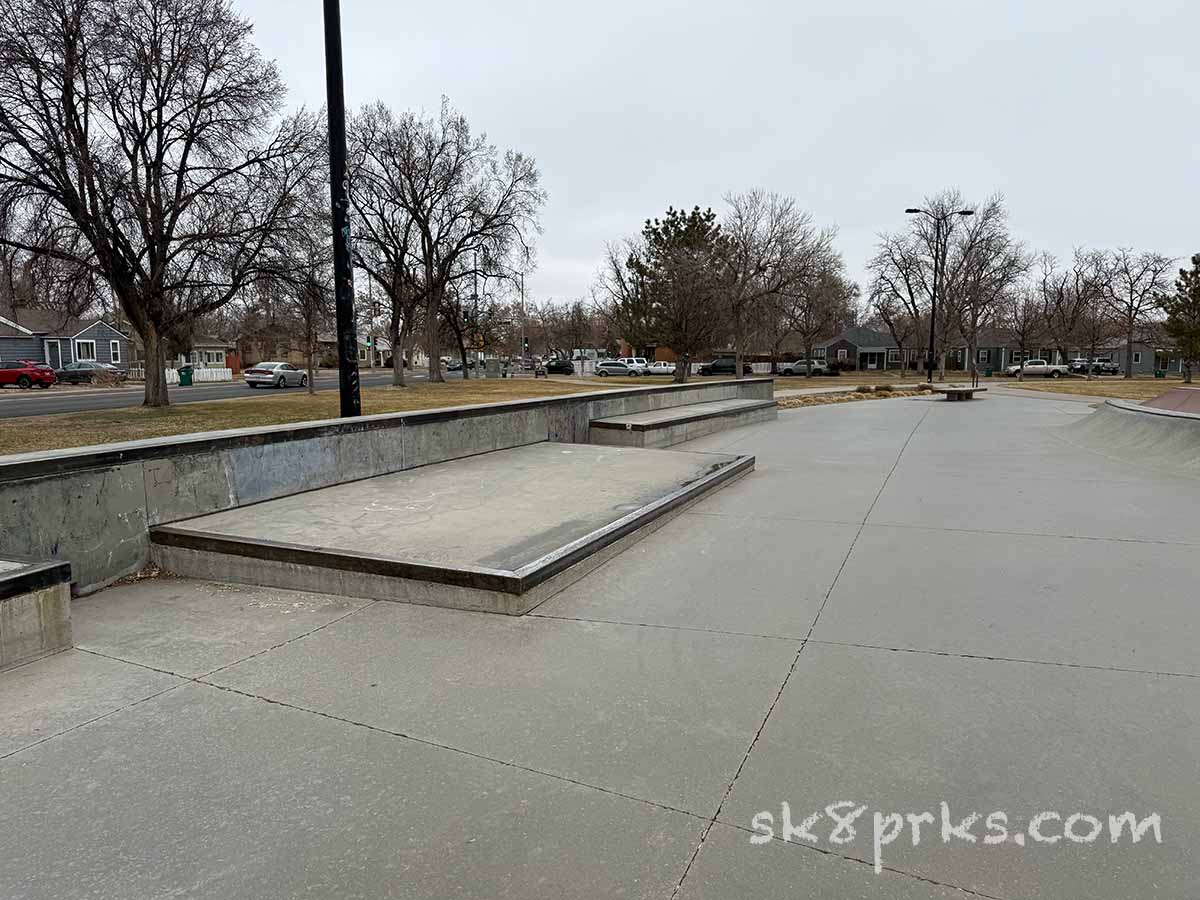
x,y
45,336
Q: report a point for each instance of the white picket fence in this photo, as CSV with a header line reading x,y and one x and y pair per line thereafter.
x,y
199,376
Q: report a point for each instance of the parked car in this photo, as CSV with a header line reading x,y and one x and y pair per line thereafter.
x,y
1105,367
559,366
661,367
726,365
637,362
25,374
616,367
1041,367
275,374
801,367
88,372
455,365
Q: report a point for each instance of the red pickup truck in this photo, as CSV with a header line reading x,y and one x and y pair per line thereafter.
x,y
25,374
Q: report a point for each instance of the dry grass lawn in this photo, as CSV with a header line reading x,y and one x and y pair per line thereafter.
x,y
32,433
1120,388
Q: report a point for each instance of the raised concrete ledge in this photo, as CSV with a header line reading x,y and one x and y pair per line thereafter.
x,y
660,487
35,610
661,428
664,418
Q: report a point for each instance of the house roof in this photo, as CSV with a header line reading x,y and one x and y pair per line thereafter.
x,y
861,337
23,321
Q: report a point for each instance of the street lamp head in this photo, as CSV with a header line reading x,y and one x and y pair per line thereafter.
x,y
912,209
966,212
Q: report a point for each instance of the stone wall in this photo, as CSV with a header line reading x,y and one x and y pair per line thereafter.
x,y
93,506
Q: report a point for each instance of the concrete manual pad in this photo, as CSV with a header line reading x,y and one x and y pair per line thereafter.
x,y
658,714
902,732
496,523
210,794
191,628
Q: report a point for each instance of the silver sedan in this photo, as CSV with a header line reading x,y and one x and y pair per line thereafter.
x,y
275,374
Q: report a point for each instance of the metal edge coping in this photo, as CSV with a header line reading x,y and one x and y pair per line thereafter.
x,y
534,573
33,577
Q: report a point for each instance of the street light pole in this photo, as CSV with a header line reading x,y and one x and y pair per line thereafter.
x,y
938,222
343,273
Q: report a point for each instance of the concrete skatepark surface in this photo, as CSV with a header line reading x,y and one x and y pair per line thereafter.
x,y
907,602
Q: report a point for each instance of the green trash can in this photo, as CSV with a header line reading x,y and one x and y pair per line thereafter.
x,y
185,376
988,372
1159,373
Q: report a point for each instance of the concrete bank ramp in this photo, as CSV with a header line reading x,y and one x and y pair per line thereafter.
x,y
1164,440
499,532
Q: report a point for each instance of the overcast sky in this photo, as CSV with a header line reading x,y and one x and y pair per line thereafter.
x,y
1082,113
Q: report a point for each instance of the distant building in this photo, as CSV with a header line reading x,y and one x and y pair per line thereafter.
x,y
49,337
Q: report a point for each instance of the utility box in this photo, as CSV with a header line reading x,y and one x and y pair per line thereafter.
x,y
491,368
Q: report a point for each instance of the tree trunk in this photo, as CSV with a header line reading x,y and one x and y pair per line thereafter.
x,y
397,351
1187,373
433,337
156,366
737,346
682,366
462,354
1129,351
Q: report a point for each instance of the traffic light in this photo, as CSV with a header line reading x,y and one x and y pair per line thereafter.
x,y
526,345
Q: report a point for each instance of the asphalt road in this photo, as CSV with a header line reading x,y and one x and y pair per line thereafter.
x,y
62,399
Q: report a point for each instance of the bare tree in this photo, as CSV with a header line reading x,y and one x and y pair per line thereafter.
x,y
1070,296
147,123
1022,312
989,262
621,296
899,291
816,305
1132,287
769,245
386,237
465,199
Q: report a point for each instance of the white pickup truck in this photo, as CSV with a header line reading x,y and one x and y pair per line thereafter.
x,y
1034,367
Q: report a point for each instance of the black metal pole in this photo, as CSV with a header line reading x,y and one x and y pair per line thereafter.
x,y
937,258
343,272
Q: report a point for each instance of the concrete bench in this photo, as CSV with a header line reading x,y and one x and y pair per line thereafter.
x,y
959,391
665,427
35,610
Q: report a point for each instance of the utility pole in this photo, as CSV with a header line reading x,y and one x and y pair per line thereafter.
x,y
343,272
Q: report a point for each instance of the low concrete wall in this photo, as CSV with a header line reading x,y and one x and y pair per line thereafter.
x,y
35,610
93,506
